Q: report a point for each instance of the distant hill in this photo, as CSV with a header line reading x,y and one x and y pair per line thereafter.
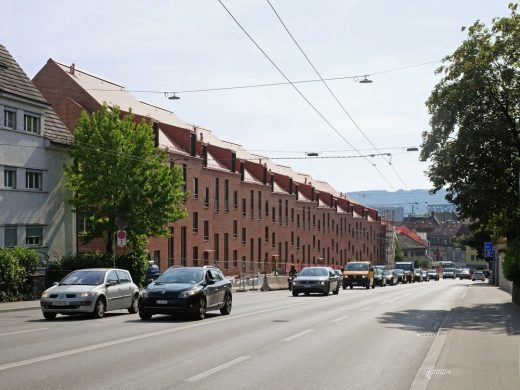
x,y
415,201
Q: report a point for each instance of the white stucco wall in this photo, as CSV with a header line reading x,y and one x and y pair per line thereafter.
x,y
46,207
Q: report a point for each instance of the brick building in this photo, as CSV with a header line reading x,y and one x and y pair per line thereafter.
x,y
245,213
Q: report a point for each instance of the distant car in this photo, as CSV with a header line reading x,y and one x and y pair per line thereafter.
x,y
417,275
465,274
391,277
478,275
401,276
449,273
91,291
316,280
190,290
457,272
379,277
432,274
424,274
340,275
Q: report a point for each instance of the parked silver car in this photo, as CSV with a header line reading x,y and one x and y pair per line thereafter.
x,y
91,291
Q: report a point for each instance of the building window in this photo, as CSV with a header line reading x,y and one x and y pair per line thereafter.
x,y
157,256
280,211
183,246
266,208
32,123
33,180
184,178
226,250
195,222
252,205
235,258
244,235
266,234
292,238
235,228
273,214
195,187
287,212
206,230
226,195
235,199
259,204
33,235
273,239
10,177
10,236
292,214
216,205
195,256
244,206
10,118
206,196
297,242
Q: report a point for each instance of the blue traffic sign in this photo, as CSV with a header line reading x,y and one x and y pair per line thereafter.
x,y
488,249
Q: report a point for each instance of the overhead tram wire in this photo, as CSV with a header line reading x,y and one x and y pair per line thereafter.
x,y
302,95
332,93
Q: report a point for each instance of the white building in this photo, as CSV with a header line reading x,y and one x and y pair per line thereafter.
x,y
33,150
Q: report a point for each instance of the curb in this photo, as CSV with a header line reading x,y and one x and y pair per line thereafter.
x,y
24,308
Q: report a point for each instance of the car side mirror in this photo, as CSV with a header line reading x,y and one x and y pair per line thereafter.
x,y
210,281
56,284
111,283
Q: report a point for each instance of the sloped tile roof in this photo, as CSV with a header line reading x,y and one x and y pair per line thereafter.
x,y
13,79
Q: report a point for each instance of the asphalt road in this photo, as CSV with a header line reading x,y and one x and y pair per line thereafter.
x,y
360,339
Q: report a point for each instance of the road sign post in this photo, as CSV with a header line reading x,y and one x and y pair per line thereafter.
x,y
121,238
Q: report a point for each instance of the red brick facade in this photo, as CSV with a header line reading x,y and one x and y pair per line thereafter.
x,y
241,224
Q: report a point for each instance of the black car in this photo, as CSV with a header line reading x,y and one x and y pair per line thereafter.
x,y
379,277
316,279
192,290
401,276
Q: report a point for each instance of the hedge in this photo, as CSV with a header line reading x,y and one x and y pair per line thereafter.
x,y
16,264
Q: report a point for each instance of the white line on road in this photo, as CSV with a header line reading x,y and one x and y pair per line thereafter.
x,y
140,337
22,331
366,308
340,318
217,369
295,336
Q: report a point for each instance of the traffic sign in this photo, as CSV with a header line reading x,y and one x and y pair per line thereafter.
x,y
488,249
121,238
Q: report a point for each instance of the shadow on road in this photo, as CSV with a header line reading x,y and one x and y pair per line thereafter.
x,y
486,317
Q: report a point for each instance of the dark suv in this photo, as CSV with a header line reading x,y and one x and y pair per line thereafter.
x,y
192,290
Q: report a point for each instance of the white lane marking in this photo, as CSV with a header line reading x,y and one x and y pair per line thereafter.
x,y
217,369
519,360
140,337
366,308
340,318
23,331
295,336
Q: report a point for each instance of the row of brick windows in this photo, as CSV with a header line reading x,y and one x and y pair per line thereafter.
x,y
341,229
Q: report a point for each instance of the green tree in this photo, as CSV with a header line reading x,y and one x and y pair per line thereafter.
x,y
119,177
473,146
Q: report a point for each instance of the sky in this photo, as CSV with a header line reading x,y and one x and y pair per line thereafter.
x,y
179,45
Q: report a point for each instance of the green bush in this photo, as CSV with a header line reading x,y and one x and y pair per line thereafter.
x,y
512,261
135,262
16,264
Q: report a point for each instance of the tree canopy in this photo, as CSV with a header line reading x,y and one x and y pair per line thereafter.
x,y
121,180
473,146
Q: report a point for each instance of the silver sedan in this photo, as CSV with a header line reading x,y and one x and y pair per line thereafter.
x,y
91,291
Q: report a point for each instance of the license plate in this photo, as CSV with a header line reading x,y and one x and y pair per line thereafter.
x,y
60,303
162,301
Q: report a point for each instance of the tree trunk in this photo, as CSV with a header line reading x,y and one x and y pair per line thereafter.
x,y
516,292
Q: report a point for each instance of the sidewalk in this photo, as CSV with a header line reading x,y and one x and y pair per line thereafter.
x,y
478,344
18,306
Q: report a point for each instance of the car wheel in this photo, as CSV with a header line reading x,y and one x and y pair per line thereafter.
x,y
49,316
145,315
134,308
200,309
374,284
336,291
307,294
99,308
226,309
294,293
351,287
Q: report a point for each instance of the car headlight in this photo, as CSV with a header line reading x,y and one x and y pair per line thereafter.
x,y
45,294
364,276
321,282
144,294
86,294
189,293
295,282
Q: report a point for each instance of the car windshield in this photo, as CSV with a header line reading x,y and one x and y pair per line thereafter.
x,y
449,269
181,275
89,278
432,271
399,271
314,272
357,267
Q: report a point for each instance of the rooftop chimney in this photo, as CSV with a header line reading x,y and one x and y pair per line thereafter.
x,y
72,68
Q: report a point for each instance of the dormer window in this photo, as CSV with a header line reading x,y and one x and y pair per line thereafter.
x,y
32,123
